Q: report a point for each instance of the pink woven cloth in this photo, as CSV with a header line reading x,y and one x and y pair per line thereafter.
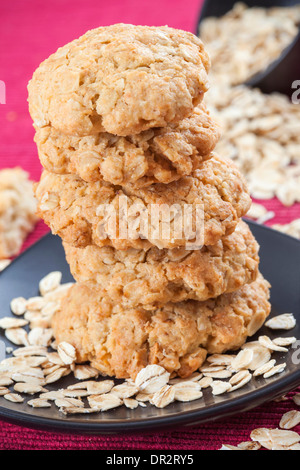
x,y
30,31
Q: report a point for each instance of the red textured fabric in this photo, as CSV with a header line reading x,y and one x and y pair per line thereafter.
x,y
29,32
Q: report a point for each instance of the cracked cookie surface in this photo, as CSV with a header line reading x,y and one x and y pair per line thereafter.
x,y
123,217
120,342
159,155
122,79
154,277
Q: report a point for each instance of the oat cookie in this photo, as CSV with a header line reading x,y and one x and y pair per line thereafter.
x,y
122,79
121,342
154,277
81,213
160,155
17,210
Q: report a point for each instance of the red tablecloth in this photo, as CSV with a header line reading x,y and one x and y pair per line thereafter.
x,y
29,32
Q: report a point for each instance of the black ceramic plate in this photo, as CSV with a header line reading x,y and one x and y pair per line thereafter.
x,y
280,263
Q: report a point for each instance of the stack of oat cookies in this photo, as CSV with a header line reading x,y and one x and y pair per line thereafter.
x,y
122,131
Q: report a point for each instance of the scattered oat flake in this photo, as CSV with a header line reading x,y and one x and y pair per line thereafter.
x,y
30,351
256,211
290,420
66,352
222,374
211,368
50,282
163,397
219,387
40,336
35,304
243,359
125,390
28,388
265,368
3,391
229,447
192,378
131,403
95,388
142,404
152,378
205,382
75,393
104,402
18,306
9,322
284,341
14,397
271,438
56,375
220,359
85,372
281,399
287,321
39,403
50,370
294,447
249,445
5,381
68,403
55,359
261,355
275,370
144,397
58,293
241,383
236,378
4,263
188,391
78,411
52,396
17,336
296,399
19,377
268,343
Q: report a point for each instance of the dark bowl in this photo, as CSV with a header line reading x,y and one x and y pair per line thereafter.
x,y
281,73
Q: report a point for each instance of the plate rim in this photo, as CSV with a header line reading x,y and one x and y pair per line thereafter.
x,y
214,412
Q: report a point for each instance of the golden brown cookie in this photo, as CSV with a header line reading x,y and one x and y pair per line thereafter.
x,y
154,277
160,155
120,342
121,79
166,216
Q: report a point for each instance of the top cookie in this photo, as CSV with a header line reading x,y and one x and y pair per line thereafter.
x,y
122,79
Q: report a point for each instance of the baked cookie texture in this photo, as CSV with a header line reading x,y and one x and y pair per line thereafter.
x,y
121,79
120,342
154,277
81,213
159,155
17,210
